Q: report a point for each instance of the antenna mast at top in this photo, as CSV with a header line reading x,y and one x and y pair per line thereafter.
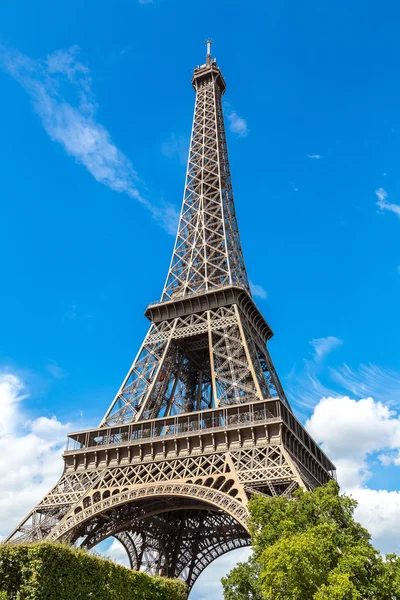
x,y
208,55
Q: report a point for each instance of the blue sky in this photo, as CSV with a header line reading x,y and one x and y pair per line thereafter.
x,y
95,117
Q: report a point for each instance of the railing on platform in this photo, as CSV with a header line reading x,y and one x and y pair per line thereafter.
x,y
206,420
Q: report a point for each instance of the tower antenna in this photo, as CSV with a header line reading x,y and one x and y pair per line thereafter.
x,y
208,55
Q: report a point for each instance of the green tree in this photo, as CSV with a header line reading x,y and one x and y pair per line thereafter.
x,y
311,548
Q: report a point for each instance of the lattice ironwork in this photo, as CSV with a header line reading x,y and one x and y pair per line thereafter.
x,y
207,251
201,421
199,361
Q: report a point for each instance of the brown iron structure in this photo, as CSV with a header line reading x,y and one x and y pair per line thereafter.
x,y
201,421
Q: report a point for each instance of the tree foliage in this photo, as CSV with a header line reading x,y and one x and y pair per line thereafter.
x,y
311,548
56,572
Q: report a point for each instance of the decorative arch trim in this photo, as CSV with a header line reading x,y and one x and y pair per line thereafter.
x,y
210,496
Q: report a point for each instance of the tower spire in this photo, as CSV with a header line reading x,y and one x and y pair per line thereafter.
x,y
208,55
208,252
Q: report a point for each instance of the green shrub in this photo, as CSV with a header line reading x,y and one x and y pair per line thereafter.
x,y
56,572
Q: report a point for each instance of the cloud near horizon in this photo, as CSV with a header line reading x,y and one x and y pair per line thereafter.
x,y
72,122
356,435
30,453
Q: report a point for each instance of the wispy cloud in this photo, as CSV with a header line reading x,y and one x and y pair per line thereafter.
x,y
237,124
307,384
146,1
384,204
368,380
176,146
257,290
314,156
323,346
55,370
382,195
60,89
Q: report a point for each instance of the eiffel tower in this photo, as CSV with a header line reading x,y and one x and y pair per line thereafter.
x,y
201,421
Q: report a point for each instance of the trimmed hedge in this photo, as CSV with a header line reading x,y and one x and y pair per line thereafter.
x,y
56,572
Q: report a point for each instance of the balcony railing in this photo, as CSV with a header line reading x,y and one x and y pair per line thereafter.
x,y
190,423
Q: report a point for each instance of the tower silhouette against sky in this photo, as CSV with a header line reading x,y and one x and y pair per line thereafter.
x,y
201,421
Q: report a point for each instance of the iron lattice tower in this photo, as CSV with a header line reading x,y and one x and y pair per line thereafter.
x,y
201,421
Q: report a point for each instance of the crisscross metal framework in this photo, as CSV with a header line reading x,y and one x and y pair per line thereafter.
x,y
201,421
207,251
195,362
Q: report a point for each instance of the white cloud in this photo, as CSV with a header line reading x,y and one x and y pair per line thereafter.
x,y
237,124
315,156
323,346
379,512
117,553
382,195
368,380
11,394
352,432
71,122
258,291
384,204
48,428
30,454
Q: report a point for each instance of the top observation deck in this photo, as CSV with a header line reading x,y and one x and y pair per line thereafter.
x,y
209,70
